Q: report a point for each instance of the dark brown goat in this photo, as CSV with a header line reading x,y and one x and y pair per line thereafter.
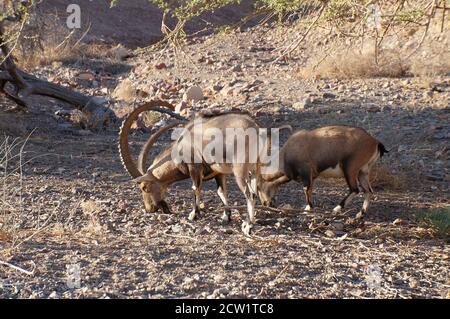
x,y
330,152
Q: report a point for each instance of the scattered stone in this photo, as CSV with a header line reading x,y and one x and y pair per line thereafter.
x,y
304,104
221,291
176,229
236,68
328,95
86,76
194,93
338,226
216,87
160,66
53,295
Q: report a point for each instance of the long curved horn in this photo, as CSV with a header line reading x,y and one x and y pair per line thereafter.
x,y
143,156
124,149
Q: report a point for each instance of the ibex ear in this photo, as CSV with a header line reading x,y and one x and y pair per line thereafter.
x,y
148,177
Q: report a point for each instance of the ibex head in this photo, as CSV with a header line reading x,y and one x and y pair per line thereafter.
x,y
266,193
268,188
153,188
153,192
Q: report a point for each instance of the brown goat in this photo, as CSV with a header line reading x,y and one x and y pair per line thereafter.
x,y
330,152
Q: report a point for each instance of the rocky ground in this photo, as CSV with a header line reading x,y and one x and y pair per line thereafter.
x,y
80,208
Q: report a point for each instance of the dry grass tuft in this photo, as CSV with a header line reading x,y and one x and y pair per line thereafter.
x,y
11,186
91,209
398,56
431,64
150,118
125,91
351,63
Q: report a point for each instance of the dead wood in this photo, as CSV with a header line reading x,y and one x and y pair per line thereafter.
x,y
24,85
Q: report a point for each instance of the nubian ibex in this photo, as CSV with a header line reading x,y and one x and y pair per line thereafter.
x,y
165,169
330,152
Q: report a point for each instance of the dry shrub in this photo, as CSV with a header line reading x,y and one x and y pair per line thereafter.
x,y
432,61
150,118
80,53
11,188
125,91
408,53
57,230
19,219
382,177
351,63
46,40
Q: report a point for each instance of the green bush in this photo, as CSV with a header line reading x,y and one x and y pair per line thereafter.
x,y
436,218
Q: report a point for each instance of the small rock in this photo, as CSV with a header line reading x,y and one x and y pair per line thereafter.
x,y
373,108
236,68
338,226
161,66
53,295
221,291
328,95
162,217
86,76
304,104
194,93
216,87
176,228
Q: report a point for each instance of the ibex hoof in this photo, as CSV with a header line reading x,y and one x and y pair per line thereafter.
x,y
226,217
246,228
307,208
360,215
192,216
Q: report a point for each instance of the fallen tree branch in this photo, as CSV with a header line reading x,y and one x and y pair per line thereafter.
x,y
25,85
27,272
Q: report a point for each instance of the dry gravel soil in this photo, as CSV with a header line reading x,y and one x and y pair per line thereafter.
x,y
97,222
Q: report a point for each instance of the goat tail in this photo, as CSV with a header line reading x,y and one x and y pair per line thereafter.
x,y
382,150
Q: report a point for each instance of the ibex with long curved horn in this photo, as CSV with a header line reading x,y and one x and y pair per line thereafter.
x,y
330,152
165,169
